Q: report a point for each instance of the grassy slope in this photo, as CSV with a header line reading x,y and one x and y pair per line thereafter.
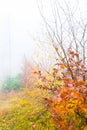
x,y
24,111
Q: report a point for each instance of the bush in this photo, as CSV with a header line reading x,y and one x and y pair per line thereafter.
x,y
12,83
66,88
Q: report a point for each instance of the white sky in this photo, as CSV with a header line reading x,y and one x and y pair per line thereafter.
x,y
19,18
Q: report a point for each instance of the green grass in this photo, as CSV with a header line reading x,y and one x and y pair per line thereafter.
x,y
26,112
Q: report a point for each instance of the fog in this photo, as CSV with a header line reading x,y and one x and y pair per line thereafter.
x,y
19,21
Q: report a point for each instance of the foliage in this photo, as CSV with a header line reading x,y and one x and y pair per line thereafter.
x,y
67,86
12,83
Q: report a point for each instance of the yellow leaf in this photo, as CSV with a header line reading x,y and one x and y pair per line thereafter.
x,y
85,128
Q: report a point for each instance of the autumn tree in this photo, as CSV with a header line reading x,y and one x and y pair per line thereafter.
x,y
66,83
28,79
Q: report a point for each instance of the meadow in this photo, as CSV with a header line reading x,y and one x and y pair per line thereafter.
x,y
24,110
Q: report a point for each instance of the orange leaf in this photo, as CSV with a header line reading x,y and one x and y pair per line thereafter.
x,y
80,83
62,66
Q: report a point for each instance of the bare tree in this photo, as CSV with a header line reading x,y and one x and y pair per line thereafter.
x,y
67,32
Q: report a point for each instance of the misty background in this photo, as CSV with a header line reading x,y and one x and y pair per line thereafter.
x,y
20,21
